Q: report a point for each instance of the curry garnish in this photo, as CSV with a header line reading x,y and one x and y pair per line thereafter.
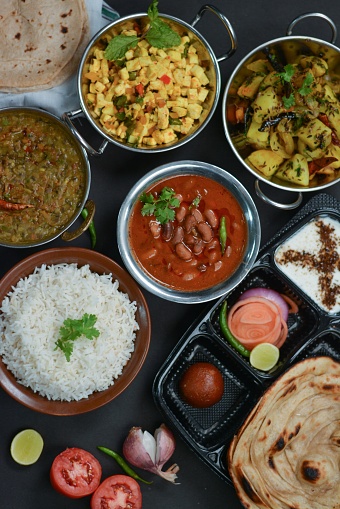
x,y
161,206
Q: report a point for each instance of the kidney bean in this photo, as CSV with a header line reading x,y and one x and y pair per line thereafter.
x,y
212,245
213,256
178,235
198,247
183,252
197,215
181,213
205,231
211,218
202,267
189,276
189,222
167,230
189,239
218,265
228,251
155,229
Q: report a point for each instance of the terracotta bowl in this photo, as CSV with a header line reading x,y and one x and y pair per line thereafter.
x,y
102,265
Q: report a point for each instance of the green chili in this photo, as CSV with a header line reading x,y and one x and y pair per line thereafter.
x,y
223,234
228,334
122,463
92,229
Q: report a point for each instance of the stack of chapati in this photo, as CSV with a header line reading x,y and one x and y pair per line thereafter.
x,y
42,42
287,453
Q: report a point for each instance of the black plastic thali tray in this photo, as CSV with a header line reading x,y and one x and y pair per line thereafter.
x,y
312,331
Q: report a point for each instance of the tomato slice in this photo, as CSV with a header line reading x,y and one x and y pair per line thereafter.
x,y
75,473
117,492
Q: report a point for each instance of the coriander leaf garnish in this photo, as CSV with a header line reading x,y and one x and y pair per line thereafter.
x,y
288,101
305,88
73,329
286,77
288,73
195,202
162,207
159,34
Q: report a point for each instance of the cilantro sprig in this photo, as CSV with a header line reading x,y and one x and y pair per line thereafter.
x,y
73,329
162,206
304,90
159,35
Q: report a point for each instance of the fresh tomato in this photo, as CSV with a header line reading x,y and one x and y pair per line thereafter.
x,y
75,473
117,492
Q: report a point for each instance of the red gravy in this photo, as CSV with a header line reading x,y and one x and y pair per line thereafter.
x,y
186,254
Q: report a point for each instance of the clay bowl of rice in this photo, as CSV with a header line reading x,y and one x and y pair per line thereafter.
x,y
75,331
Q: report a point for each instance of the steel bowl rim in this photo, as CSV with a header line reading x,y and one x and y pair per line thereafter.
x,y
185,138
242,196
224,104
86,160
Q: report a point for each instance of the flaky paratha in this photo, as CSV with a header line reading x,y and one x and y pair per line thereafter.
x,y
287,453
41,42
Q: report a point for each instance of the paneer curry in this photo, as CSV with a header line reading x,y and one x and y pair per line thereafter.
x,y
152,96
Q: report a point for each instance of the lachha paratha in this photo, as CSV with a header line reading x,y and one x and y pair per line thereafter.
x,y
287,453
41,42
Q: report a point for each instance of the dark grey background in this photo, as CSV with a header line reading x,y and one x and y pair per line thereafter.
x,y
112,176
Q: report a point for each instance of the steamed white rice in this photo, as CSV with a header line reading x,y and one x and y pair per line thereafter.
x,y
34,311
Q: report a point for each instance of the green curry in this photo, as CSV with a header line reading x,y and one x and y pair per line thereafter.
x,y
42,177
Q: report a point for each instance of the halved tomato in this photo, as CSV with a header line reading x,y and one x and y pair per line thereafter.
x,y
117,492
75,473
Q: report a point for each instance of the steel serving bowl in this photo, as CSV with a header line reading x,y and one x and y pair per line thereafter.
x,y
233,186
289,47
205,53
102,265
84,202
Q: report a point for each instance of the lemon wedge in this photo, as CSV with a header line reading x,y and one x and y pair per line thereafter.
x,y
26,447
264,356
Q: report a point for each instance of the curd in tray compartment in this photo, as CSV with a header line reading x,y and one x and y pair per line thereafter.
x,y
311,260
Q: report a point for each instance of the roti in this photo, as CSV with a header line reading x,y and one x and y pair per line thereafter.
x,y
287,453
41,42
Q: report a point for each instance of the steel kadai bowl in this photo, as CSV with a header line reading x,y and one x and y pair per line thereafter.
x,y
88,89
239,132
187,294
46,177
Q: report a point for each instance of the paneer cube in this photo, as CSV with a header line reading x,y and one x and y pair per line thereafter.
x,y
133,65
198,71
194,111
163,117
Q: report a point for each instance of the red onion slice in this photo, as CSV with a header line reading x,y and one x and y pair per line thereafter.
x,y
272,295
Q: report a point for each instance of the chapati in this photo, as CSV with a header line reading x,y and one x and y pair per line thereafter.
x,y
41,42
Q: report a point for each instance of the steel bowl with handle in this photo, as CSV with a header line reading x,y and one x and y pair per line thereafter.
x,y
288,48
66,135
205,52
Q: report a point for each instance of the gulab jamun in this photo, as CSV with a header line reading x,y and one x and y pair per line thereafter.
x,y
201,385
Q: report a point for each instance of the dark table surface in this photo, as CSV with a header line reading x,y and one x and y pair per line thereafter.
x,y
113,174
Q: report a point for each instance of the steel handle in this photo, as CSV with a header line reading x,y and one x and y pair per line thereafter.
x,y
226,24
318,15
68,117
284,206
